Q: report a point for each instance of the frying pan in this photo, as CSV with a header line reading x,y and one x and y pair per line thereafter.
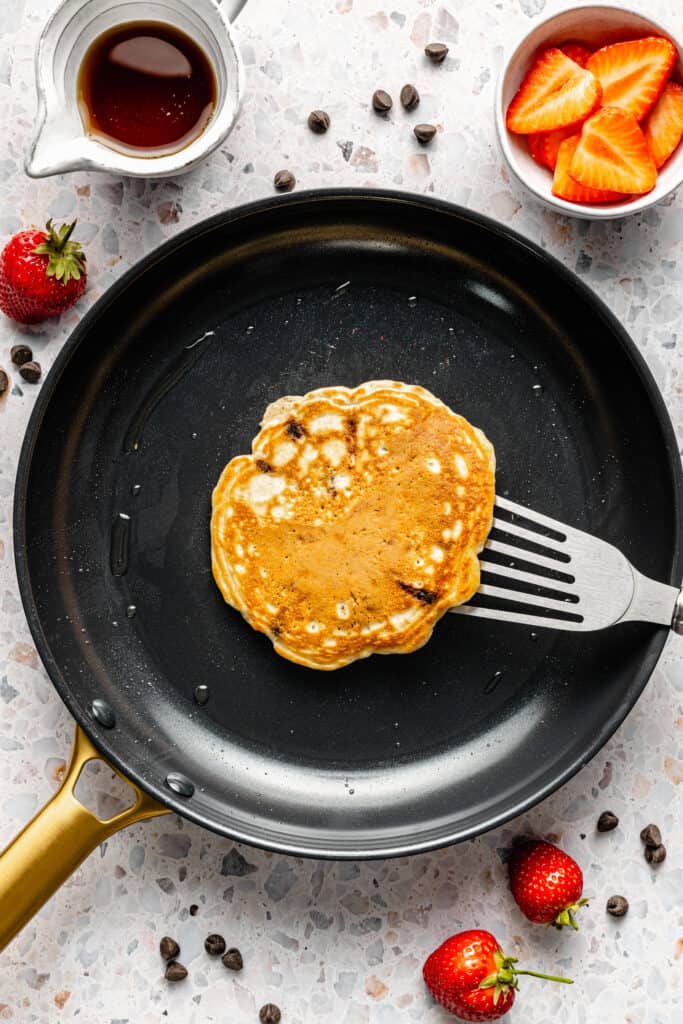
x,y
167,377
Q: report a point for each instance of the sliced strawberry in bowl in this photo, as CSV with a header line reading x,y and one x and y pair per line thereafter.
x,y
612,154
566,187
535,142
554,93
578,53
544,146
551,141
633,74
663,129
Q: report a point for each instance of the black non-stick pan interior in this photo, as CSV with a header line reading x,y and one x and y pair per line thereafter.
x,y
168,377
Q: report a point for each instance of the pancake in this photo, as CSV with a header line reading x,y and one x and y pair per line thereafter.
x,y
355,523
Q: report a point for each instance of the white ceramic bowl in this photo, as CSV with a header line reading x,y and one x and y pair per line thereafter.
x,y
594,25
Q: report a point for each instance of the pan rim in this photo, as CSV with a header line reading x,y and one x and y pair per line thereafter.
x,y
404,845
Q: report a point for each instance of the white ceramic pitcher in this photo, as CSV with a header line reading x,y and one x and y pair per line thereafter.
x,y
61,142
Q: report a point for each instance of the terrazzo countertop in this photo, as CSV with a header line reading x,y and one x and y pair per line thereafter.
x,y
328,941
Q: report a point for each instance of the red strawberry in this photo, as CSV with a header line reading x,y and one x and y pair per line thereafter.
x,y
567,187
578,53
612,154
471,978
663,129
555,92
546,883
42,274
633,74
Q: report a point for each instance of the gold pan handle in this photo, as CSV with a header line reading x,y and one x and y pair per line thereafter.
x,y
56,841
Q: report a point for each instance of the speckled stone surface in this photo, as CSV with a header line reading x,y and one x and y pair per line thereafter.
x,y
326,941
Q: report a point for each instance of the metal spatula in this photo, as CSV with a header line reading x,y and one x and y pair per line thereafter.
x,y
540,572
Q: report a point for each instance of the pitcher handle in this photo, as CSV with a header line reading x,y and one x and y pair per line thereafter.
x,y
231,8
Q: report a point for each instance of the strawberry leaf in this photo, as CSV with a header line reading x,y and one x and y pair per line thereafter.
x,y
65,259
566,918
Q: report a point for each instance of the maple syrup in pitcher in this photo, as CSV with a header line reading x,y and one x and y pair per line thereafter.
x,y
146,87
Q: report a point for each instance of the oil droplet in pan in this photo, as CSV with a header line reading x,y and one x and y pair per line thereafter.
x,y
178,368
493,682
118,551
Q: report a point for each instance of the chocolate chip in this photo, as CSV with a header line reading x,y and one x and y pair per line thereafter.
x,y
169,948
424,133
175,971
437,52
284,181
295,430
214,945
425,596
270,1014
4,382
264,466
31,372
607,821
655,854
410,97
651,836
194,910
319,121
21,354
233,960
381,101
617,906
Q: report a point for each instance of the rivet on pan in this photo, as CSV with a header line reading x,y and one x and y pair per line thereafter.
x,y
201,694
180,784
103,713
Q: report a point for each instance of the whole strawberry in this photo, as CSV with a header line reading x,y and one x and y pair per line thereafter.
x,y
42,274
546,883
471,977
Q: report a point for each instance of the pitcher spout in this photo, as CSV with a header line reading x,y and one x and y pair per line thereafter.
x,y
54,150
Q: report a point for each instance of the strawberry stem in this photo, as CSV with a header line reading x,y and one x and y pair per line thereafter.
x,y
505,976
63,235
546,977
